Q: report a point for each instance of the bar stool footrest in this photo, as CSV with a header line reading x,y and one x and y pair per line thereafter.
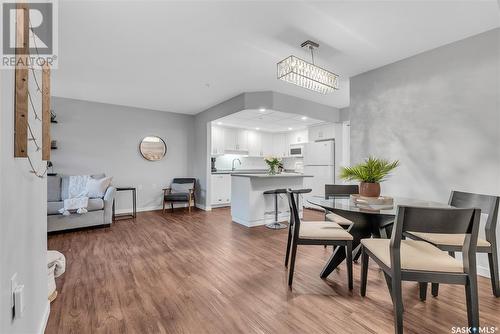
x,y
276,226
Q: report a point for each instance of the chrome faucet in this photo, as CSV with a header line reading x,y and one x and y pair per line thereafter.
x,y
232,163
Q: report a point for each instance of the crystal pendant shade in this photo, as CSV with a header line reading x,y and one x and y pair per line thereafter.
x,y
302,73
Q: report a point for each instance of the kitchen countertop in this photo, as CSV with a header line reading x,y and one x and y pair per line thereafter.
x,y
282,175
248,202
244,171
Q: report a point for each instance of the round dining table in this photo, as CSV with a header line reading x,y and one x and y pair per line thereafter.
x,y
368,221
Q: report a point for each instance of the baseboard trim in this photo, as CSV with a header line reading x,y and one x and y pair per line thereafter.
x,y
149,208
282,218
483,271
45,319
203,207
247,223
160,207
221,206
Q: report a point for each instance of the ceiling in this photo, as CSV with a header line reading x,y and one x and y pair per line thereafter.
x,y
187,56
267,120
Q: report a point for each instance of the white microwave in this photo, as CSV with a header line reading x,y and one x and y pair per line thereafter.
x,y
296,151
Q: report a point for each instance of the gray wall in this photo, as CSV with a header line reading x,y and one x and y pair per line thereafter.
x,y
23,222
253,100
202,137
438,113
344,114
96,137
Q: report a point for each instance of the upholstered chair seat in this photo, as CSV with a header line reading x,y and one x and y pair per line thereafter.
x,y
447,239
333,217
323,231
177,197
415,255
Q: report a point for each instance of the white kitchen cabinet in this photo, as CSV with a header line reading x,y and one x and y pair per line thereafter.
x,y
235,139
267,144
230,139
280,145
298,137
217,140
321,132
242,139
286,140
220,189
255,144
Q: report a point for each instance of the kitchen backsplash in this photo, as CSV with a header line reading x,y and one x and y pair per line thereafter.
x,y
223,162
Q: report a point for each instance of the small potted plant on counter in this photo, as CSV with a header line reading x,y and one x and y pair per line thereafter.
x,y
273,163
369,173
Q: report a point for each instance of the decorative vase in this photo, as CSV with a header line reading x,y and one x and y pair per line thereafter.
x,y
369,189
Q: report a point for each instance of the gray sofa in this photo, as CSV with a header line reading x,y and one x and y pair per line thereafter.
x,y
100,210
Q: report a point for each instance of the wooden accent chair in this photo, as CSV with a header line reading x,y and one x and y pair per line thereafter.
x,y
420,261
316,233
182,190
453,243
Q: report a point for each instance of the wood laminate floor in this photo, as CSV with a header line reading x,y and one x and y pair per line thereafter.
x,y
201,273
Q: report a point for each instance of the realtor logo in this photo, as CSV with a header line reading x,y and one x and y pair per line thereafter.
x,y
42,28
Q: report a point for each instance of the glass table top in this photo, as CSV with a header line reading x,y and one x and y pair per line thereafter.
x,y
344,203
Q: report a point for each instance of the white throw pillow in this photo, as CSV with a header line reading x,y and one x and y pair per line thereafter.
x,y
96,188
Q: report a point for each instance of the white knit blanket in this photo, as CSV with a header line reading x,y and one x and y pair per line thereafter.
x,y
77,195
57,259
56,263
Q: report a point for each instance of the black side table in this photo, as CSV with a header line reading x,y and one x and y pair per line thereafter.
x,y
134,204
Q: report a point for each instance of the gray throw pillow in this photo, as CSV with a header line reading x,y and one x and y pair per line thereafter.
x,y
182,188
96,188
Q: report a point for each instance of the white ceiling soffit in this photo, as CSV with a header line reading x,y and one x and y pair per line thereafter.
x,y
186,56
267,120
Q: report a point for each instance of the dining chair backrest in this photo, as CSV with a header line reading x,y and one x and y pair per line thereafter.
x,y
437,220
487,203
294,213
296,193
341,189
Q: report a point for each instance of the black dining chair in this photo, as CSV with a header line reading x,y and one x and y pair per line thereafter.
x,y
339,190
420,261
316,233
297,193
453,243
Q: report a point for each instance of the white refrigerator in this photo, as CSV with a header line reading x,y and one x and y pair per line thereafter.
x,y
319,161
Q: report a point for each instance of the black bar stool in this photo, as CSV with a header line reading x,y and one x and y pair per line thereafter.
x,y
276,225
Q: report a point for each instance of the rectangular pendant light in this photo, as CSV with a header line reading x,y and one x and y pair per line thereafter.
x,y
302,73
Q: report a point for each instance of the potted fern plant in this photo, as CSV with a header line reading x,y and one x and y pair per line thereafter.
x,y
369,173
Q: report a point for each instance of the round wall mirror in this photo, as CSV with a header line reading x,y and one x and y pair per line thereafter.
x,y
153,148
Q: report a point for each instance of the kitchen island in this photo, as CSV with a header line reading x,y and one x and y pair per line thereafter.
x,y
248,202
